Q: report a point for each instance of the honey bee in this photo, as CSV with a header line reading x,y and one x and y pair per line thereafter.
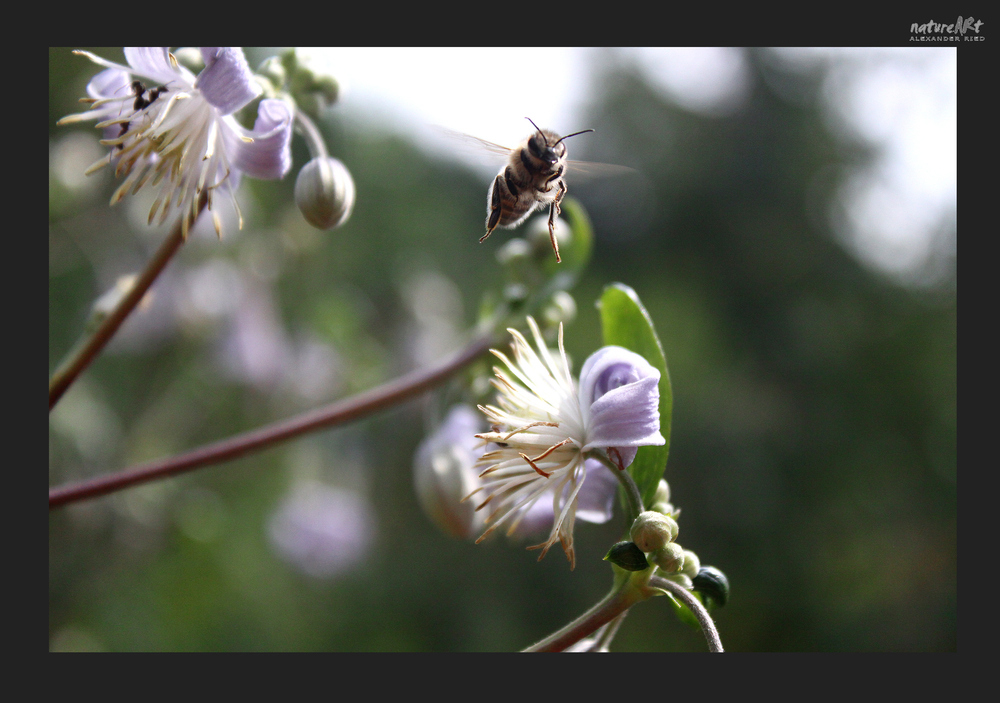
x,y
139,91
532,178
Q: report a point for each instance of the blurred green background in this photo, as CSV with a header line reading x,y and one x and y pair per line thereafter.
x,y
813,446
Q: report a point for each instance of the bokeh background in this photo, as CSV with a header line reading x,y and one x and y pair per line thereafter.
x,y
797,257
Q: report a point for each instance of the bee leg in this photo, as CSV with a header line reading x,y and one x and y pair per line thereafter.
x,y
554,210
494,218
552,234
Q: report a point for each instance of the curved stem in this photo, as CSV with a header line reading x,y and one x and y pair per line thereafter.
x,y
312,135
363,404
610,630
622,597
632,493
85,352
704,619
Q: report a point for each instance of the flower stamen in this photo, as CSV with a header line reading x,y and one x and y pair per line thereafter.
x,y
532,465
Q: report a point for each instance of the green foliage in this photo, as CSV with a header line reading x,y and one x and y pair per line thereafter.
x,y
626,323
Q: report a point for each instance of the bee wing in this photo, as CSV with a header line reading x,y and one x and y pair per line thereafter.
x,y
590,169
474,143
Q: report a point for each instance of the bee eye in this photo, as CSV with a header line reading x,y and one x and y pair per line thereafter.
x,y
535,146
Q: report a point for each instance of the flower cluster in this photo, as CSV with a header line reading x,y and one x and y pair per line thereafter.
x,y
171,129
545,422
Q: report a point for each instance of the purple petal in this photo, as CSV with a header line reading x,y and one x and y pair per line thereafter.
x,y
444,473
594,503
109,83
151,62
226,81
626,417
269,156
619,391
596,499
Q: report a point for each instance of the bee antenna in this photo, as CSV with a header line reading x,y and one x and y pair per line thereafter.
x,y
584,131
536,127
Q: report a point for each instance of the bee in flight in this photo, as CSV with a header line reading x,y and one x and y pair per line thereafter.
x,y
532,178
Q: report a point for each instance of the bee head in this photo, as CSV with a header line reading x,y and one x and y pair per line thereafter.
x,y
540,146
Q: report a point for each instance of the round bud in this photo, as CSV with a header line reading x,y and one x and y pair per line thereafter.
x,y
666,509
669,558
560,308
515,292
515,252
274,71
324,192
692,564
712,584
537,234
652,530
328,87
442,480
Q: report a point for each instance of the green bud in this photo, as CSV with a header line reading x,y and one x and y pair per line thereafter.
x,y
692,564
514,252
662,494
627,556
652,530
324,192
681,579
666,509
515,292
274,71
328,88
560,308
712,584
537,235
669,558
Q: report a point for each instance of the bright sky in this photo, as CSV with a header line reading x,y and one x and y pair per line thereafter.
x,y
904,98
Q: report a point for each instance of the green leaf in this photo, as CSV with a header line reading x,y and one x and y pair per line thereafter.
x,y
626,323
627,556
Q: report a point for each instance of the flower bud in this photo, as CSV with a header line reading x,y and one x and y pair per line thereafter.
x,y
514,252
538,235
273,70
680,578
515,292
560,308
713,585
651,531
444,473
669,558
662,494
692,564
667,509
324,192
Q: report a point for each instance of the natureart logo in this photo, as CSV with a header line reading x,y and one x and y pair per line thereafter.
x,y
960,30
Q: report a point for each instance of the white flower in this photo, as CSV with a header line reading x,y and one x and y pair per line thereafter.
x,y
175,131
545,423
444,473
